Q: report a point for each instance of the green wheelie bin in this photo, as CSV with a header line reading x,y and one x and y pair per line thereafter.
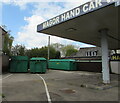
x,y
38,65
19,64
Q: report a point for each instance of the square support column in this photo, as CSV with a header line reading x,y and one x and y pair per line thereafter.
x,y
105,60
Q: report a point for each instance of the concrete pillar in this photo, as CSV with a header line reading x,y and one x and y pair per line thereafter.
x,y
105,60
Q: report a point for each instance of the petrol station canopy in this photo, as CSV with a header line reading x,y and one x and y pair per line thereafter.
x,y
84,22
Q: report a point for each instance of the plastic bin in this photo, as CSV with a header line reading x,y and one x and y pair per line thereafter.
x,y
38,65
19,64
62,64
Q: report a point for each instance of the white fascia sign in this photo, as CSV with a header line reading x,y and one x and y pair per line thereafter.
x,y
83,9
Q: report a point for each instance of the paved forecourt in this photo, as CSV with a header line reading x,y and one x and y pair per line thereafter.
x,y
61,86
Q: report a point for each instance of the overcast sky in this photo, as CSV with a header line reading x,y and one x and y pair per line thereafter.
x,y
23,16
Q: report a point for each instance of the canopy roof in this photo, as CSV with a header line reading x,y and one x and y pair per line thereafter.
x,y
83,23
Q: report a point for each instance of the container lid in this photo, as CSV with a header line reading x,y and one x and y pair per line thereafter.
x,y
19,58
65,60
37,58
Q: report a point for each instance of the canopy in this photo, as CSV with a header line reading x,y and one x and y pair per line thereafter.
x,y
84,22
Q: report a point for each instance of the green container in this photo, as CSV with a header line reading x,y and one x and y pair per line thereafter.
x,y
19,64
62,64
38,65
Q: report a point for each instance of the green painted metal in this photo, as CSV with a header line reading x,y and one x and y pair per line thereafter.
x,y
19,64
37,59
62,64
62,60
38,65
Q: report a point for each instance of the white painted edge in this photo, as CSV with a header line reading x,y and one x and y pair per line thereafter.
x,y
46,89
6,76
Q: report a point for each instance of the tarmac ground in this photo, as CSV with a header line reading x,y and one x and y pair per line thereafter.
x,y
61,86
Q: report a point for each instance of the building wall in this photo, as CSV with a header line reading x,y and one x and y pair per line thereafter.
x,y
115,67
0,64
0,39
4,60
5,63
89,52
0,50
89,66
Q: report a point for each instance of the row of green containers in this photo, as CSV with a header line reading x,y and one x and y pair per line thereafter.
x,y
62,64
21,64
